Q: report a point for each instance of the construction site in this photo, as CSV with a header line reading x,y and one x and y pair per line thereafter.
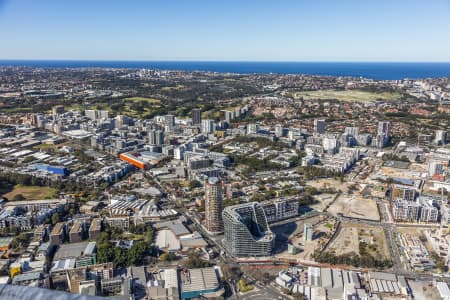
x,y
292,243
355,207
350,236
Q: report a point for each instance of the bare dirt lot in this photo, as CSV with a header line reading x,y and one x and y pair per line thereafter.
x,y
293,233
323,200
329,183
410,230
355,207
351,235
415,171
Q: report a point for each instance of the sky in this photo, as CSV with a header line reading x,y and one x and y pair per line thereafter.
x,y
231,30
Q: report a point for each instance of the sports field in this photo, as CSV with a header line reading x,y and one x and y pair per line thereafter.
x,y
31,192
349,95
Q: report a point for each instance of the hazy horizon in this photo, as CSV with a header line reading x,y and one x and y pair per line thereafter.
x,y
231,61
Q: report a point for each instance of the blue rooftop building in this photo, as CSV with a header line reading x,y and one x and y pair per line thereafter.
x,y
57,170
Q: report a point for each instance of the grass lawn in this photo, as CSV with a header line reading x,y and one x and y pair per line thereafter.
x,y
329,226
133,113
150,100
32,192
45,147
73,107
170,88
130,111
349,95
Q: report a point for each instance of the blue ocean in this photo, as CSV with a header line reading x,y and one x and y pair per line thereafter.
x,y
373,70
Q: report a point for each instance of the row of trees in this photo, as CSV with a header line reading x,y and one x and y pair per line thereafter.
x,y
365,260
391,156
11,179
249,117
311,172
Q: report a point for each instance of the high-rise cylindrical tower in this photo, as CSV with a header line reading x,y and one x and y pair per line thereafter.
x,y
213,205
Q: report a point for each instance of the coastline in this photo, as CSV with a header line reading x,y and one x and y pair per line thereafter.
x,y
370,70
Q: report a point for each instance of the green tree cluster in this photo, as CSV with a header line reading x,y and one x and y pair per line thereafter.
x,y
21,240
194,261
168,257
311,172
18,197
107,252
194,184
353,259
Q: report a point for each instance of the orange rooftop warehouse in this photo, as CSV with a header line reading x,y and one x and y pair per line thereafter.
x,y
143,159
133,159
